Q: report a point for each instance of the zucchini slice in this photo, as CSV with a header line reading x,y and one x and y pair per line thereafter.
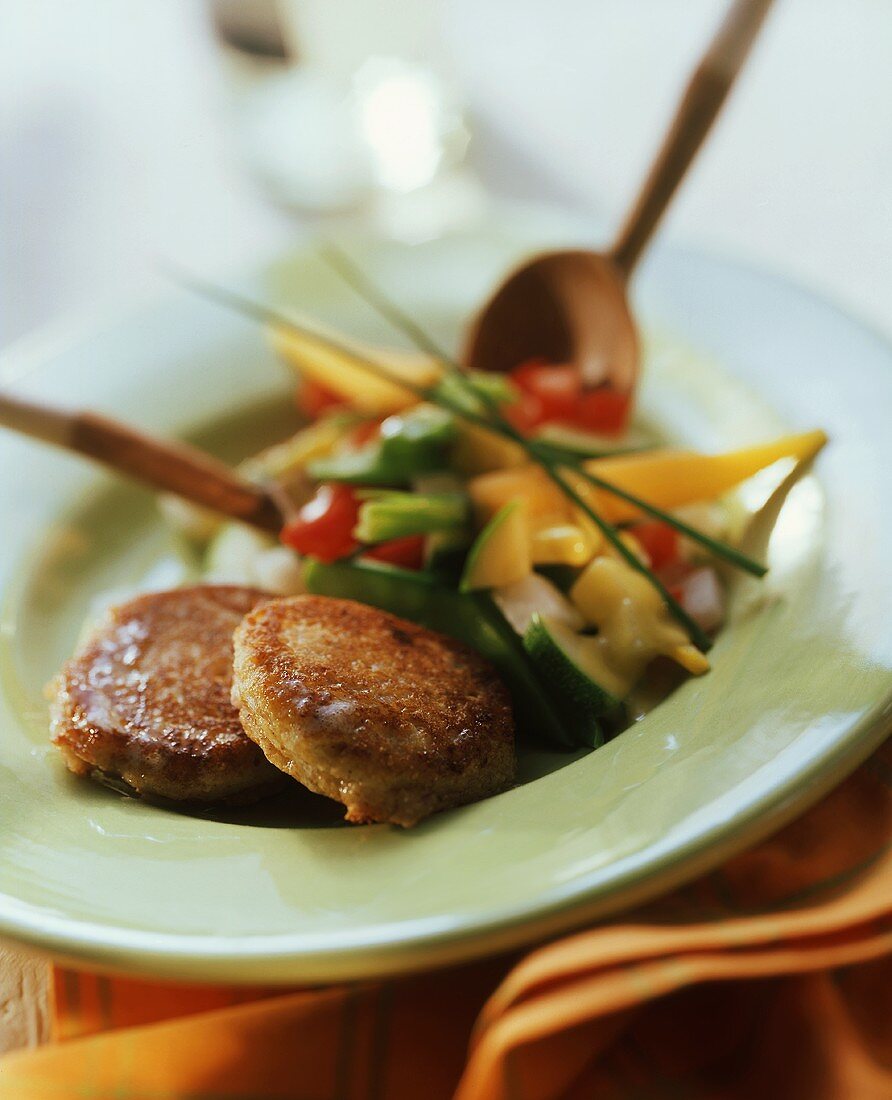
x,y
572,667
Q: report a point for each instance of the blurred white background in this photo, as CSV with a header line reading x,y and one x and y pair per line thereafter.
x,y
117,144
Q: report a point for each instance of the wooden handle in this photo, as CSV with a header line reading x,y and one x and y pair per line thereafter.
x,y
696,113
174,467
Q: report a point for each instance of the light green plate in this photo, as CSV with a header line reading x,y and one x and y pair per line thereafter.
x,y
798,695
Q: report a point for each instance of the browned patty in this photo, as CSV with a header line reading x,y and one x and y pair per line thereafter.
x,y
387,717
147,699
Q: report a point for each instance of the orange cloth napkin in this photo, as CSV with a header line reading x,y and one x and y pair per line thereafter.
x,y
770,978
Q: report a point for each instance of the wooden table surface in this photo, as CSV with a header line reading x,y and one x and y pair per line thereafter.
x,y
24,1001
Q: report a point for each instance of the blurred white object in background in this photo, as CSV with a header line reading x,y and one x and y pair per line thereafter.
x,y
796,175
298,134
361,112
338,36
116,146
404,117
113,151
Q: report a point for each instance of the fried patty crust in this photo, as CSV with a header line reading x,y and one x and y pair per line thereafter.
x,y
146,699
387,717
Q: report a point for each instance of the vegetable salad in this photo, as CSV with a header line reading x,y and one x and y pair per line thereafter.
x,y
519,513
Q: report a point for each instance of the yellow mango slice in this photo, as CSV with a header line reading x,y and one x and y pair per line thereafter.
x,y
339,372
561,543
316,440
633,623
690,658
666,478
500,554
670,478
492,491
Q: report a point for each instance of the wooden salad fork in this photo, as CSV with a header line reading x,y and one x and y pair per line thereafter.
x,y
572,306
172,467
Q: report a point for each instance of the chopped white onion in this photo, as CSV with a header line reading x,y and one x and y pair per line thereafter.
x,y
703,599
518,602
233,553
278,570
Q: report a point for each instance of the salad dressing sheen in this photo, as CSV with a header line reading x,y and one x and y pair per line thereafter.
x,y
632,621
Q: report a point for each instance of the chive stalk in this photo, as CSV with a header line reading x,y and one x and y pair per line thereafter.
x,y
388,309
548,454
717,548
458,403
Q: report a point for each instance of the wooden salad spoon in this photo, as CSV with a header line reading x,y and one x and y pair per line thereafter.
x,y
572,306
174,467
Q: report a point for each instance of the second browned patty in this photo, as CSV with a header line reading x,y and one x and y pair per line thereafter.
x,y
146,699
387,717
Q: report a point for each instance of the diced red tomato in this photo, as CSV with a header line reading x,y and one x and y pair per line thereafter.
x,y
603,411
365,432
525,414
557,386
660,542
324,526
407,552
313,399
553,393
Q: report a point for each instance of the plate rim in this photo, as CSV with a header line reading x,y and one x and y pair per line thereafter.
x,y
105,947
174,955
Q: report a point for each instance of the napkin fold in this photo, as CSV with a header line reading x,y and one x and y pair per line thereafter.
x,y
770,977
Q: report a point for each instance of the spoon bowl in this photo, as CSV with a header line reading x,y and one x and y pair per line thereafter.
x,y
568,306
572,306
